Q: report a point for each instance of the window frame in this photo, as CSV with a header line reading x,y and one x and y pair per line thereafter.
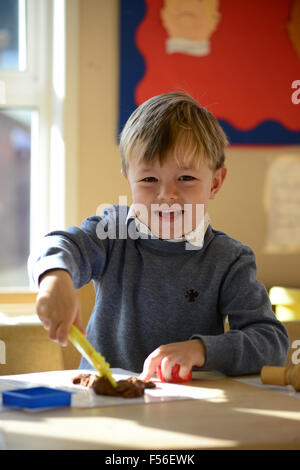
x,y
35,88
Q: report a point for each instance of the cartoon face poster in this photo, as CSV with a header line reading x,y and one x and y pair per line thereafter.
x,y
240,59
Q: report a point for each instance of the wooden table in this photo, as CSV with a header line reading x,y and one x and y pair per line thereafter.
x,y
238,416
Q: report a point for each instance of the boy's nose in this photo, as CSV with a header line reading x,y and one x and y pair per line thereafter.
x,y
167,192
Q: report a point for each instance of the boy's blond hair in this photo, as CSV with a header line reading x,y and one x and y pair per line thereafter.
x,y
173,122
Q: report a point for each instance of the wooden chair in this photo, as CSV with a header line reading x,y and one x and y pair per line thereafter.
x,y
286,303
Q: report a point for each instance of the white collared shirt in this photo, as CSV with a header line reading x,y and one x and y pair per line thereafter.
x,y
195,237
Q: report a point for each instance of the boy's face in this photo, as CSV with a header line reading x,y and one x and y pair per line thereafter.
x,y
172,198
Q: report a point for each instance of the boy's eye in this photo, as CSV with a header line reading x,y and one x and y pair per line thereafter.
x,y
186,178
149,179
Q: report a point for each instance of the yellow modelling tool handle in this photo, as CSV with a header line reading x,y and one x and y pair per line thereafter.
x,y
88,352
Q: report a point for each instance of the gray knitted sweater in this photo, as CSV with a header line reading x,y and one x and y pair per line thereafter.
x,y
151,292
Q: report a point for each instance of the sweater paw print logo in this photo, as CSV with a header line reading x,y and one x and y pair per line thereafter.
x,y
191,295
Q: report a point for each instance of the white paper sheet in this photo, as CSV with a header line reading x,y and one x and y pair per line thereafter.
x,y
256,382
86,398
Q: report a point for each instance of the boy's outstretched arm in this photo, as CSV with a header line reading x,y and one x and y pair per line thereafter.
x,y
62,262
57,305
186,353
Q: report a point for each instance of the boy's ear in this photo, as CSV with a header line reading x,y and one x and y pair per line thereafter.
x,y
217,181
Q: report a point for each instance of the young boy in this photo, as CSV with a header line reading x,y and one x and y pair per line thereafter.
x,y
165,280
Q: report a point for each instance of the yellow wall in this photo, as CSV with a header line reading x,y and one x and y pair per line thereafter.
x,y
237,210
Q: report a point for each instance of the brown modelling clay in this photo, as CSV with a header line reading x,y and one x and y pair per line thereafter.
x,y
127,388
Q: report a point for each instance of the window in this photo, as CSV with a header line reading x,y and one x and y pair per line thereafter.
x,y
16,129
12,35
37,116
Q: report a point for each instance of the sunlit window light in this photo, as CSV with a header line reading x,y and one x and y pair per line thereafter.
x,y
59,48
57,179
22,36
284,414
35,193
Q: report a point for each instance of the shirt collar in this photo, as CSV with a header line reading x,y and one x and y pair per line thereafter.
x,y
195,237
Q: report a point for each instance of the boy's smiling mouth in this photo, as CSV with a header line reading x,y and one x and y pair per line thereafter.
x,y
170,221
169,214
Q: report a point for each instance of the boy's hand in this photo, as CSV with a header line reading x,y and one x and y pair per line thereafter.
x,y
186,353
57,305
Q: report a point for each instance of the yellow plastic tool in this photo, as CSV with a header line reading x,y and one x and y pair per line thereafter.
x,y
88,352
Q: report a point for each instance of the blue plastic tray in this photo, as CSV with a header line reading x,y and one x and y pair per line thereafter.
x,y
36,397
